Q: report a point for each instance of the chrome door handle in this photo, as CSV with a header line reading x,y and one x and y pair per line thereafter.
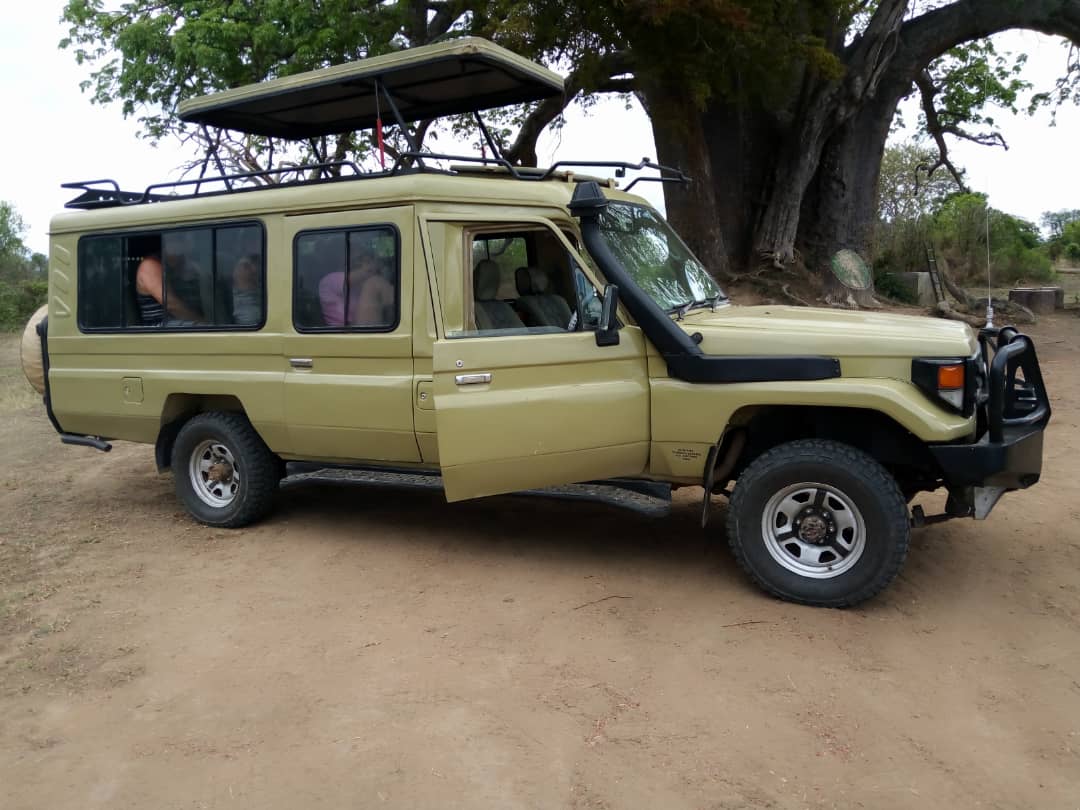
x,y
301,362
473,379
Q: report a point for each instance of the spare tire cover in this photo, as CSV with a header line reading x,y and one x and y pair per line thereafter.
x,y
32,364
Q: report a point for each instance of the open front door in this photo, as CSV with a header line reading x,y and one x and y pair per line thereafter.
x,y
522,400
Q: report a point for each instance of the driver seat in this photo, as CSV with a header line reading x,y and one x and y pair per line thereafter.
x,y
491,313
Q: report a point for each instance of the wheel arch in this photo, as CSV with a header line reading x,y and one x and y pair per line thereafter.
x,y
900,451
177,410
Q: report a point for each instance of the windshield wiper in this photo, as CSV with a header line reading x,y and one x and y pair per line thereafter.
x,y
680,310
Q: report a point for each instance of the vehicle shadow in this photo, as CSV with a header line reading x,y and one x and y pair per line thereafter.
x,y
543,528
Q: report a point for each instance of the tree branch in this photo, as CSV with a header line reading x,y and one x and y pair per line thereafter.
x,y
523,150
928,91
926,37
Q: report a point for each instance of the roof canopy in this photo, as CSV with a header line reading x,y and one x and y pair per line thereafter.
x,y
448,78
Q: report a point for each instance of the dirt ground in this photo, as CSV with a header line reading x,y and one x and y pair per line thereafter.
x,y
374,648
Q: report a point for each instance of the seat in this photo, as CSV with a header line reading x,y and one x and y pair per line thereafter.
x,y
541,308
491,313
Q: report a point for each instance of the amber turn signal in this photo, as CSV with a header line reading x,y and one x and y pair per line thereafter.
x,y
950,377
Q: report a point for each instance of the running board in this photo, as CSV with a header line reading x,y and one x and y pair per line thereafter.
x,y
644,497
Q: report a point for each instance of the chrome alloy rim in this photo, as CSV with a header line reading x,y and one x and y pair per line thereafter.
x,y
813,530
215,475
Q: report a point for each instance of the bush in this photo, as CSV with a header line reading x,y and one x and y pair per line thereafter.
x,y
1015,263
889,285
1072,252
18,301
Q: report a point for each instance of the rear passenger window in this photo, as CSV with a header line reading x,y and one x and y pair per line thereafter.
x,y
346,280
187,278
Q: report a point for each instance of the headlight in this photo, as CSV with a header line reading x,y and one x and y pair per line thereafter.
x,y
951,381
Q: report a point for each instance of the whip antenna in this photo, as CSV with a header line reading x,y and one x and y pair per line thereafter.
x,y
989,293
989,298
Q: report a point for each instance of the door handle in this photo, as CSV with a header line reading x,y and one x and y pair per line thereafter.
x,y
301,362
473,379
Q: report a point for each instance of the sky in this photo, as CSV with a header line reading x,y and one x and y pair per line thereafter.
x,y
52,134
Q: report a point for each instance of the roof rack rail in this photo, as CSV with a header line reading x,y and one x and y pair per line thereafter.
x,y
411,162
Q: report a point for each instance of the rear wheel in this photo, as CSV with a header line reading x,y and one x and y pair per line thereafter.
x,y
818,522
224,473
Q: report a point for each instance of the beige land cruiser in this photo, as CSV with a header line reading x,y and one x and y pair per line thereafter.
x,y
507,329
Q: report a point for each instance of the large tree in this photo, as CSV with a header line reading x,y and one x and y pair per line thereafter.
x,y
780,109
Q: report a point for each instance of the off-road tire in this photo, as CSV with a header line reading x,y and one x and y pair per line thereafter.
x,y
847,470
259,469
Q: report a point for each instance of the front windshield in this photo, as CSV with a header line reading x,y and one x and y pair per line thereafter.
x,y
656,258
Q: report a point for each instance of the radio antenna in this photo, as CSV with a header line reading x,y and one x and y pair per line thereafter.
x,y
989,293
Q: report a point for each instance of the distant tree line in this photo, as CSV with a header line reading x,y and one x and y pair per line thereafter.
x,y
919,205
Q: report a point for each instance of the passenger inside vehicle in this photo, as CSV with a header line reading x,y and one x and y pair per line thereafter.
x,y
157,300
363,297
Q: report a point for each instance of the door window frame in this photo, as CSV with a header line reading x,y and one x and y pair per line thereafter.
x,y
470,223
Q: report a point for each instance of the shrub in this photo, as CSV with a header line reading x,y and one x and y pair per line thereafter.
x,y
1015,263
19,300
1072,251
889,285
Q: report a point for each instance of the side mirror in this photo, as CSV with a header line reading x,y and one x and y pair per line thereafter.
x,y
607,333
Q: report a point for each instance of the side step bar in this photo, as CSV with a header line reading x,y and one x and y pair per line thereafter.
x,y
86,441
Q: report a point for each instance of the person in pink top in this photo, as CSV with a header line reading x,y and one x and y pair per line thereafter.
x,y
370,296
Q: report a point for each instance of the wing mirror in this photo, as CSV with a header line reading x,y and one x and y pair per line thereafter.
x,y
607,332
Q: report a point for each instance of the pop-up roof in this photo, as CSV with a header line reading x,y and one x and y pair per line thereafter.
x,y
448,78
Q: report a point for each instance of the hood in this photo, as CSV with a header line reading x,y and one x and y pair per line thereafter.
x,y
782,330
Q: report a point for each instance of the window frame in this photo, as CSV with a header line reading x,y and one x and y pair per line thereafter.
x,y
163,328
346,230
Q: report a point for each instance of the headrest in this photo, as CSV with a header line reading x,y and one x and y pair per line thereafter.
x,y
531,281
486,280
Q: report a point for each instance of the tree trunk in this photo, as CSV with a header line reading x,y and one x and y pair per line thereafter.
x,y
839,209
743,141
681,141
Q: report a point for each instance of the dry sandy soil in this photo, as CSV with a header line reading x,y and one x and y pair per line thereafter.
x,y
370,648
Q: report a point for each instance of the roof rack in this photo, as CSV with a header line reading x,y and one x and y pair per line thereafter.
x,y
94,196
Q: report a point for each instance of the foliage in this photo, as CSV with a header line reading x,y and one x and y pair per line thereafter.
x,y
960,228
1064,229
972,79
907,189
23,285
1072,251
889,285
1057,221
12,228
908,195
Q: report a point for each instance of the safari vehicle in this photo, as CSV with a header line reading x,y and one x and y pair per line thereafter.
x,y
507,329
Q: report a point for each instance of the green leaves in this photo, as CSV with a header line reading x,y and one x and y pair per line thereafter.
x,y
972,79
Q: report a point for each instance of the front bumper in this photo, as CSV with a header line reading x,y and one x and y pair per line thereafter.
x,y
1008,454
1015,462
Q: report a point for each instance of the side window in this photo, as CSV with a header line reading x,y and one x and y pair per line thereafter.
x,y
522,279
186,278
346,280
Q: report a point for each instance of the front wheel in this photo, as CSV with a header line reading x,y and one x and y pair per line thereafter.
x,y
819,523
224,473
